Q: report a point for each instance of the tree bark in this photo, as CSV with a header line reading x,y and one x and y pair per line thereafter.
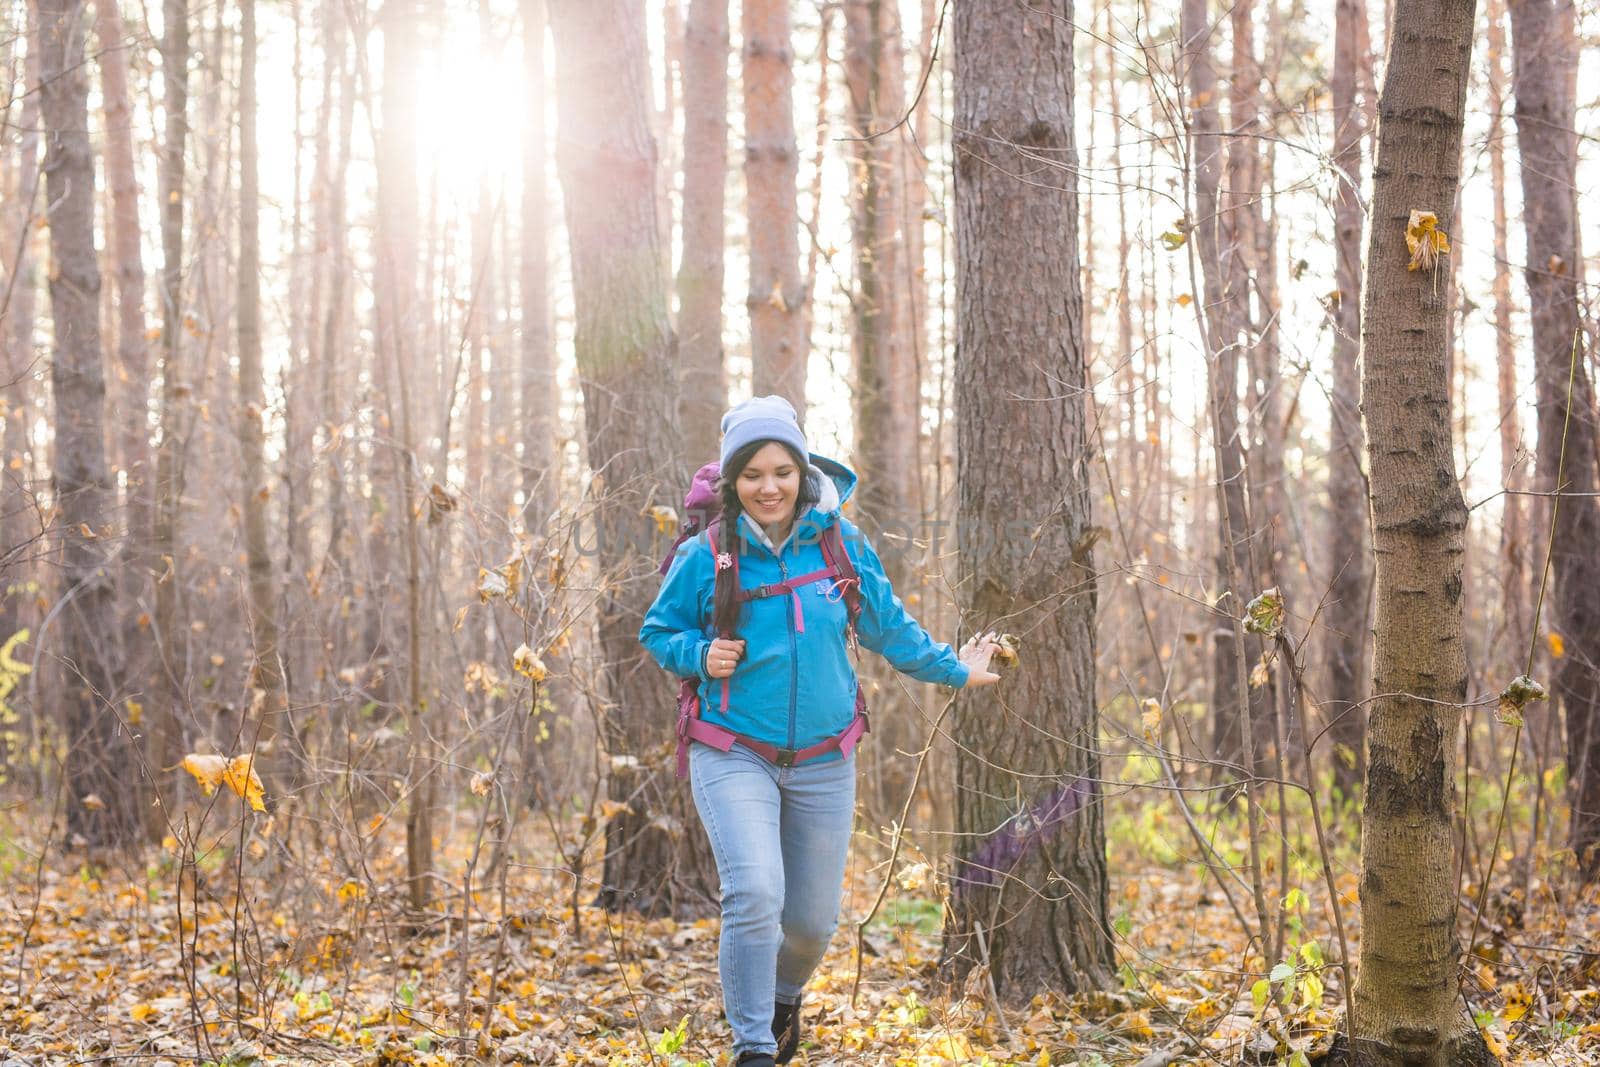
x,y
400,322
1349,584
266,673
133,438
771,165
887,392
1406,992
1514,547
1029,888
175,399
1545,65
625,354
541,477
100,754
700,271
1233,704
22,521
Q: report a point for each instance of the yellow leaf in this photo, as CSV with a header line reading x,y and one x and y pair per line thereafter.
x,y
1184,300
610,809
207,770
135,713
1259,674
1558,646
351,890
1518,1001
1150,719
1006,654
1425,240
666,519
242,779
526,661
142,1012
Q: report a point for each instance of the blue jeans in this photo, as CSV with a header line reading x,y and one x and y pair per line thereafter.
x,y
780,837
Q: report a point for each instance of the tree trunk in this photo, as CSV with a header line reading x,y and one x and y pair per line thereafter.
x,y
771,163
132,346
401,321
1514,547
700,272
886,391
266,672
626,363
1545,64
1349,584
100,754
22,523
176,391
541,476
1028,812
1406,992
1217,245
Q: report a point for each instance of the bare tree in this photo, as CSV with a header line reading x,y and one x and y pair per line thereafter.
x,y
104,797
1031,865
625,353
1349,586
771,165
1407,1007
266,669
1234,705
700,271
1544,72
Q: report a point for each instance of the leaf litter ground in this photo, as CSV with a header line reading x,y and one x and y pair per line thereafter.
x,y
104,966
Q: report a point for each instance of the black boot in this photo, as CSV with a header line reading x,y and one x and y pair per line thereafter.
x,y
755,1059
786,1030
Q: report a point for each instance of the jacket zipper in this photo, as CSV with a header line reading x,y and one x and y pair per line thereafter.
x,y
794,657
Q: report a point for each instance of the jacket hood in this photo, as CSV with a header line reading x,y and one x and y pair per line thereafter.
x,y
834,481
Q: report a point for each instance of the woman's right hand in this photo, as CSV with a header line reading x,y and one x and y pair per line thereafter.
x,y
723,657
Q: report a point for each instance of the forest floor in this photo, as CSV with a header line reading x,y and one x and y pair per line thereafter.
x,y
107,964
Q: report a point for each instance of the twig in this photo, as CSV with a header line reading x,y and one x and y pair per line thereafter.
x,y
988,982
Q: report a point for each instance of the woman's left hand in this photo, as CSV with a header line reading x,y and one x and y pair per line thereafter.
x,y
976,653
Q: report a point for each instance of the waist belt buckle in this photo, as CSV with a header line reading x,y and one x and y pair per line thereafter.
x,y
785,757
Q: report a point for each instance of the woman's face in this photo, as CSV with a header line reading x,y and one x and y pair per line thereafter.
x,y
769,485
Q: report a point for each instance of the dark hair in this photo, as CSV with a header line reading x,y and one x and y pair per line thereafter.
x,y
725,609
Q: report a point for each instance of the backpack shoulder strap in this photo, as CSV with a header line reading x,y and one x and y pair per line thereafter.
x,y
833,550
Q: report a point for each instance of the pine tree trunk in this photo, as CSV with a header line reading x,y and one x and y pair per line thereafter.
x,y
1514,547
1406,993
700,271
541,476
886,393
1233,704
1545,54
402,332
266,672
1028,809
21,524
133,438
654,862
99,753
1349,584
777,295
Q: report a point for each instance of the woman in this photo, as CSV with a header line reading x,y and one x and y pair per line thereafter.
x,y
779,802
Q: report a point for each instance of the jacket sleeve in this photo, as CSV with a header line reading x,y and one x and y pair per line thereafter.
x,y
888,629
673,631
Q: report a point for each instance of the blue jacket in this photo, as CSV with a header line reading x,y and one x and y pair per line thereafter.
x,y
792,688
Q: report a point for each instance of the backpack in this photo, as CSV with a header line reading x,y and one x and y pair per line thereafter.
x,y
703,512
